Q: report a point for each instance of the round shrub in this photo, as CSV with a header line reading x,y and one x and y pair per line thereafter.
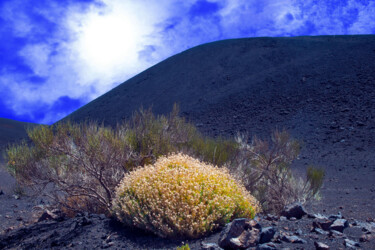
x,y
181,197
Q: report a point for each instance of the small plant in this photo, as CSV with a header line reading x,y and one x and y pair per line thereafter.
x,y
265,170
184,247
19,191
315,178
180,196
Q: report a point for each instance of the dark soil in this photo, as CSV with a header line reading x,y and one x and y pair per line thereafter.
x,y
91,231
320,89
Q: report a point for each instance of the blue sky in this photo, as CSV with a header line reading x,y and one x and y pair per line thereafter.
x,y
57,55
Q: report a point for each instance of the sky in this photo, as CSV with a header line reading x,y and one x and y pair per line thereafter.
x,y
58,55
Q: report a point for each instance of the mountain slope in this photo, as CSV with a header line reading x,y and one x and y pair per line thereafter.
x,y
13,131
202,77
321,89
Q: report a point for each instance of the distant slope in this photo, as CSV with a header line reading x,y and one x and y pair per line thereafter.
x,y
12,131
202,77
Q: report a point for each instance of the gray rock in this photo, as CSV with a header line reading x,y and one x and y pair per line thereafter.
x,y
317,216
283,218
335,216
322,224
320,231
267,234
334,233
210,246
240,234
351,244
298,232
267,246
294,210
320,246
293,239
339,225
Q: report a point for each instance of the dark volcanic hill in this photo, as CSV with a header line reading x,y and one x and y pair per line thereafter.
x,y
321,89
13,131
244,71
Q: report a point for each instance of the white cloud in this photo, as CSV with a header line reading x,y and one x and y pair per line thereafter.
x,y
17,20
37,58
365,24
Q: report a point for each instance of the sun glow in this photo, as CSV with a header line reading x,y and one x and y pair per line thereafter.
x,y
109,39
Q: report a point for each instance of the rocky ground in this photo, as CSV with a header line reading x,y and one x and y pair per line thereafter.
x,y
295,229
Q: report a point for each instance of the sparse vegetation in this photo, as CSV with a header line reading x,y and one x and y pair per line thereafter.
x,y
265,170
179,196
84,163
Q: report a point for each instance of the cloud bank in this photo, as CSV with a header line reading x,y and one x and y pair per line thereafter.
x,y
59,55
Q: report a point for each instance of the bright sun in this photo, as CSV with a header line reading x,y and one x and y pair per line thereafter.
x,y
110,41
107,39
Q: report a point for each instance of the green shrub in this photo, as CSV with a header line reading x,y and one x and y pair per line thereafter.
x,y
180,196
151,137
315,177
217,151
184,247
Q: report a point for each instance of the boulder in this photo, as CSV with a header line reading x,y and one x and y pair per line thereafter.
x,y
339,225
323,224
294,210
267,234
240,234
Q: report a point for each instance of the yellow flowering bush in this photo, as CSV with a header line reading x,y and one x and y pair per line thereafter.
x,y
181,197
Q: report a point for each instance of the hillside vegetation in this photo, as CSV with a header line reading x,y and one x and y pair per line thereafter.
x,y
86,162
